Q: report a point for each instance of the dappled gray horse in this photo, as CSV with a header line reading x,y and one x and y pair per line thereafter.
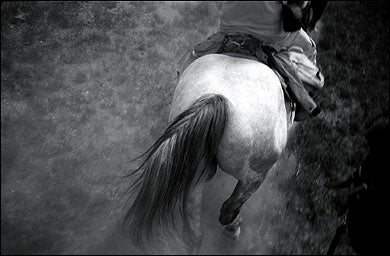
x,y
228,112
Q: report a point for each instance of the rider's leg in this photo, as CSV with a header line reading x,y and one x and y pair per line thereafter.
x,y
301,39
282,63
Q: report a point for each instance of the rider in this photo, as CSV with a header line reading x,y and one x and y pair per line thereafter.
x,y
276,24
263,20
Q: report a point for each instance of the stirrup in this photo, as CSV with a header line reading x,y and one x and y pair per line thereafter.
x,y
194,54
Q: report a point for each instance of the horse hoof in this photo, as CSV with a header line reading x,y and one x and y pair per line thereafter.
x,y
225,219
232,232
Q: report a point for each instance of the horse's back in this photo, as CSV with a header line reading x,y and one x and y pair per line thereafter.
x,y
257,122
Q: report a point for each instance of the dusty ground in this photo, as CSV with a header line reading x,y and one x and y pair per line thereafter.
x,y
86,87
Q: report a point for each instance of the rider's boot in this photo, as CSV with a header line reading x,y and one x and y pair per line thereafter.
x,y
301,114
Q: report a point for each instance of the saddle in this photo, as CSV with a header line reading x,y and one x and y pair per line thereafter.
x,y
297,74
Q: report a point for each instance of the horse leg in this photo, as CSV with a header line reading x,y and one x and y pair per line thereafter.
x,y
231,207
192,231
233,229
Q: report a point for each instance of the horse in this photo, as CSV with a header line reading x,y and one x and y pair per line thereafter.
x,y
364,211
228,112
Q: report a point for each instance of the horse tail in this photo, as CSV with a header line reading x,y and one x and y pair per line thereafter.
x,y
177,161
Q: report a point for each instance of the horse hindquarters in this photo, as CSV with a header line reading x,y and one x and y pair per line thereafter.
x,y
181,159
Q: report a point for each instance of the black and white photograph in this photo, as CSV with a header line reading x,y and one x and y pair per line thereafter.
x,y
194,127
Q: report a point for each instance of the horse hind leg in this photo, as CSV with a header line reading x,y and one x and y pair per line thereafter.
x,y
233,230
229,214
192,231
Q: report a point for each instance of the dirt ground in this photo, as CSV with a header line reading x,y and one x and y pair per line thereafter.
x,y
86,88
